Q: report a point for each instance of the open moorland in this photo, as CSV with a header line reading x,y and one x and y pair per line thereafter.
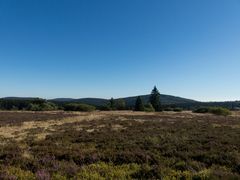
x,y
119,145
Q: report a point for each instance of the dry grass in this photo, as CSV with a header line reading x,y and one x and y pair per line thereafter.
x,y
46,126
19,132
173,141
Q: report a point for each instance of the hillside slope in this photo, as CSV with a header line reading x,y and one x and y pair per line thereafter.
x,y
165,100
130,101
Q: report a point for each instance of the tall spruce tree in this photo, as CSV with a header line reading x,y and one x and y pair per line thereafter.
x,y
139,104
155,99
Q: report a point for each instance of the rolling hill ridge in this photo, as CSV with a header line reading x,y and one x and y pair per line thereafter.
x,y
130,101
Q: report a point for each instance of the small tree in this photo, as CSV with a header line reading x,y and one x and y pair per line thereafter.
x,y
155,99
139,104
112,104
120,104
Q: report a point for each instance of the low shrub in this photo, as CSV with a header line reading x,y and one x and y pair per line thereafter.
x,y
149,108
17,173
34,107
42,175
46,106
104,108
79,107
49,106
108,171
177,109
219,111
201,110
214,110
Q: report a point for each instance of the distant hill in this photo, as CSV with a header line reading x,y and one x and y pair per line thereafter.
x,y
90,101
165,100
20,98
130,101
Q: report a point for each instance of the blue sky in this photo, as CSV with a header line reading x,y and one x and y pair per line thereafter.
x,y
118,48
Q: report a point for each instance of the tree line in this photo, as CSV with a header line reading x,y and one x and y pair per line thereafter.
x,y
153,104
38,104
35,104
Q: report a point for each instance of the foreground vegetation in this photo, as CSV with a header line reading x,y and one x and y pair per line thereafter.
x,y
119,145
214,110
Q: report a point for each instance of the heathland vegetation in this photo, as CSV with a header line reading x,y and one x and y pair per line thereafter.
x,y
118,145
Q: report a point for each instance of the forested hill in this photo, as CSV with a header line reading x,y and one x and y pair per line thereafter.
x,y
166,100
130,101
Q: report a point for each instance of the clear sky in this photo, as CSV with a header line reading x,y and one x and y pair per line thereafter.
x,y
118,48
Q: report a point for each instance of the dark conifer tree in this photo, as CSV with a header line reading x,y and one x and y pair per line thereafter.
x,y
112,103
139,106
155,99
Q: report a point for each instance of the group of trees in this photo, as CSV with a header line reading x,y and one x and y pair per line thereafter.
x,y
141,104
36,104
118,104
154,102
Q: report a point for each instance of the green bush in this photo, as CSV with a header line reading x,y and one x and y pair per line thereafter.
x,y
120,104
219,111
108,171
34,107
104,108
47,106
201,110
177,109
79,107
20,174
214,110
149,108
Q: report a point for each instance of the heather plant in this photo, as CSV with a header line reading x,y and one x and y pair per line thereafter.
x,y
126,146
108,171
42,175
20,174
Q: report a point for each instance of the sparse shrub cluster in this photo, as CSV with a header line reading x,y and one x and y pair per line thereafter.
x,y
149,108
177,109
46,106
202,110
79,107
174,109
214,110
219,111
